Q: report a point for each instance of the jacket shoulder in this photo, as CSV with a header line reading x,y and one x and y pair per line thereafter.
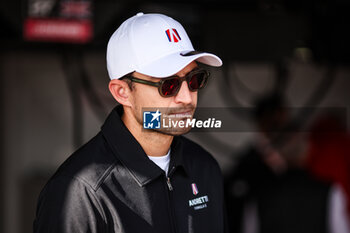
x,y
194,153
90,164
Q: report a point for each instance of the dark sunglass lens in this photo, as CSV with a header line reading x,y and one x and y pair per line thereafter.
x,y
197,81
170,87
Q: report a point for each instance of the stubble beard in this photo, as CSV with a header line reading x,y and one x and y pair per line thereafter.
x,y
171,131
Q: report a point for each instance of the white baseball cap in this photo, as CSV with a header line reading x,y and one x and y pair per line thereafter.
x,y
152,44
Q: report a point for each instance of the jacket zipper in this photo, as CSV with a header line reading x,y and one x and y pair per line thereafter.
x,y
170,187
170,201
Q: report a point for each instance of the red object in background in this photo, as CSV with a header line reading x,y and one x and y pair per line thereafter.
x,y
329,154
80,9
58,30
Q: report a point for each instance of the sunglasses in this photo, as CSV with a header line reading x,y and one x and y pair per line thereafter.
x,y
170,86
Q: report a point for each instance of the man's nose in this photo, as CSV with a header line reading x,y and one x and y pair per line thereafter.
x,y
184,95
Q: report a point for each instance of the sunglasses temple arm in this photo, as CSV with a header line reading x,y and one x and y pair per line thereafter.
x,y
145,82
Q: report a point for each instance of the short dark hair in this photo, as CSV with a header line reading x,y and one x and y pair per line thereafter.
x,y
128,81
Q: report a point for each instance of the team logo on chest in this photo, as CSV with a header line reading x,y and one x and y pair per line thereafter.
x,y
194,189
199,202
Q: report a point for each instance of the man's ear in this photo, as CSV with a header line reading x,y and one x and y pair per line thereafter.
x,y
120,91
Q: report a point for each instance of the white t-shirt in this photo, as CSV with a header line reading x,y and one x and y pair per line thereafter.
x,y
162,161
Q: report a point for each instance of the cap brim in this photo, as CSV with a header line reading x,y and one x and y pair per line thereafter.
x,y
173,63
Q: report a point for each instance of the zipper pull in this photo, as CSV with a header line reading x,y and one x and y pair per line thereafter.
x,y
171,171
169,184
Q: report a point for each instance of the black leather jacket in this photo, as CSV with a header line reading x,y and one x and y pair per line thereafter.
x,y
110,185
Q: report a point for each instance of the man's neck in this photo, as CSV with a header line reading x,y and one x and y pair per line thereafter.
x,y
152,142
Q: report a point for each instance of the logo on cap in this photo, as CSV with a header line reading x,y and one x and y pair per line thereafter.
x,y
173,35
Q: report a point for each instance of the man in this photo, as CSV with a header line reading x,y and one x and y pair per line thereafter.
x,y
128,179
271,189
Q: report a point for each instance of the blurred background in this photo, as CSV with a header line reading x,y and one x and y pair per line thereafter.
x,y
285,61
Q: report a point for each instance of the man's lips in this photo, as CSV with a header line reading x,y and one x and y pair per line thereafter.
x,y
181,110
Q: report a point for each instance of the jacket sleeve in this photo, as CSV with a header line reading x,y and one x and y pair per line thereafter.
x,y
68,205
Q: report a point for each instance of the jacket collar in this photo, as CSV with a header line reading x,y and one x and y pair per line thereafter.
x,y
127,150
